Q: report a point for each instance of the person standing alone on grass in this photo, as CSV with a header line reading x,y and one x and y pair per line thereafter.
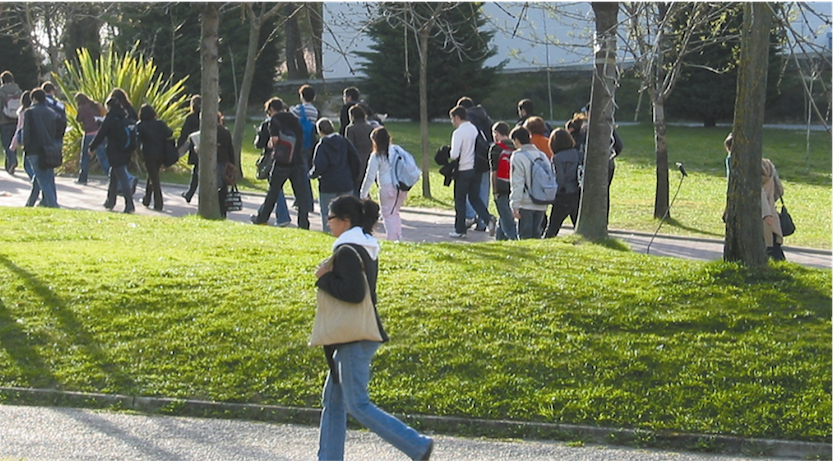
x,y
9,103
356,258
336,165
499,161
467,181
42,130
530,215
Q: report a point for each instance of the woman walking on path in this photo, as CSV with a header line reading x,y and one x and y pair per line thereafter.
x,y
355,257
90,115
17,139
152,135
566,162
112,130
391,199
191,125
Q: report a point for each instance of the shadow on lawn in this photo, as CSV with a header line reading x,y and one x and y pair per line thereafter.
x,y
675,223
74,330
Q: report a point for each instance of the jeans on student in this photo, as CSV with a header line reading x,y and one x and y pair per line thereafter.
x,y
484,194
101,155
530,224
324,205
350,395
506,229
282,212
6,135
468,186
279,175
43,183
119,182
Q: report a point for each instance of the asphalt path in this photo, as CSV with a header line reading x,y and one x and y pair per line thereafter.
x,y
65,434
419,224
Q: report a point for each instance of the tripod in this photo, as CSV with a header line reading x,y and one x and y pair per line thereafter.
x,y
666,215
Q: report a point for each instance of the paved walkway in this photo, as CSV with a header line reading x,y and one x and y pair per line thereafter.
x,y
419,224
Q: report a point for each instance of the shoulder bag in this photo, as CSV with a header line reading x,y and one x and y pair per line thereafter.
x,y
786,221
339,322
233,202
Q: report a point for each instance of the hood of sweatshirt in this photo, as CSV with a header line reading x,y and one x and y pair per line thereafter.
x,y
357,236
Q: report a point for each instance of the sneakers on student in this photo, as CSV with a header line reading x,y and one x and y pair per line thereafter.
x,y
493,223
470,222
283,224
254,219
455,235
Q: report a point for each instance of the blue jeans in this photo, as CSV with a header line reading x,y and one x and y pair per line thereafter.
x,y
350,395
506,229
530,224
6,135
101,155
43,183
468,186
324,205
282,212
277,177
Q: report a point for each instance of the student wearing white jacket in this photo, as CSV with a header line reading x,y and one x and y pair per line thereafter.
x,y
391,199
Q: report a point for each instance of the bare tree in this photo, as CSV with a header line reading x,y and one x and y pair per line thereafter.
x,y
743,241
209,206
661,35
314,14
593,206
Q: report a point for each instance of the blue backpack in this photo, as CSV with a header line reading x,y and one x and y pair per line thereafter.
x,y
308,128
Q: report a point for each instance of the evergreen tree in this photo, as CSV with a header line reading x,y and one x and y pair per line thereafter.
x,y
393,66
16,54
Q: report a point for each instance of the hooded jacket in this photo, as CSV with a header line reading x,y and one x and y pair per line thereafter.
x,y
336,164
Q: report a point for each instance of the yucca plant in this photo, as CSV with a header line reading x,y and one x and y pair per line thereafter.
x,y
132,72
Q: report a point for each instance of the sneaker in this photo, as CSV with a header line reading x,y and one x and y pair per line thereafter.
x,y
455,235
283,224
254,219
470,222
493,223
108,204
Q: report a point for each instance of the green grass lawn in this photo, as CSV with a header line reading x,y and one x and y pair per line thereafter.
x,y
536,330
700,204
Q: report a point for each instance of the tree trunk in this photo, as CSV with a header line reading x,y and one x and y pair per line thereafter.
x,y
209,206
296,65
424,117
744,242
314,12
661,194
246,85
593,207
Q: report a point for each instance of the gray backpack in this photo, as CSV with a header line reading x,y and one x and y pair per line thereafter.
x,y
543,186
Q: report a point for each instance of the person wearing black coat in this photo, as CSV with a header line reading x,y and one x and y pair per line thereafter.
x,y
191,125
152,135
111,130
121,96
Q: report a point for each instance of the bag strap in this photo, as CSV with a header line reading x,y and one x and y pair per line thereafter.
x,y
361,261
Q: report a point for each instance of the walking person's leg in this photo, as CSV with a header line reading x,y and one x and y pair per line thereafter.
x,y
473,193
461,187
123,184
390,201
300,182
506,221
156,186
35,192
333,423
6,134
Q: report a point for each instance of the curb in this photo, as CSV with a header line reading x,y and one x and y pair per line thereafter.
x,y
450,425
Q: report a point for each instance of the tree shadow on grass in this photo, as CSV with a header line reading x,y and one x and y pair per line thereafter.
x,y
672,222
73,329
18,344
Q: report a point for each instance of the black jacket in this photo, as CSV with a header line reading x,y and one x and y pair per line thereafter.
x,y
336,164
109,130
152,136
40,126
190,125
285,121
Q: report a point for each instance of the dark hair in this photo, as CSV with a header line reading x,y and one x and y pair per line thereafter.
x,y
307,92
7,77
113,103
38,95
536,125
48,87
356,112
382,140
276,104
26,99
520,134
574,125
82,99
561,140
466,102
501,128
146,112
196,104
459,112
324,126
352,92
728,142
121,96
360,213
527,106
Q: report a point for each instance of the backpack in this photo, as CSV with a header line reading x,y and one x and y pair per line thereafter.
x,y
481,154
404,170
308,128
282,153
543,186
11,105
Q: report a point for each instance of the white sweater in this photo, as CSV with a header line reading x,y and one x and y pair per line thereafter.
x,y
379,169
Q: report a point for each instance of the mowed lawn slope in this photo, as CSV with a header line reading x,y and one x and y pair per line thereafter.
x,y
536,330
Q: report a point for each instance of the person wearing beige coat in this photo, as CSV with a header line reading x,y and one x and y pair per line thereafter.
x,y
772,191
